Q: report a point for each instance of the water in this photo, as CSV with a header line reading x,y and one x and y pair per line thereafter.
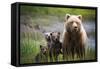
x,y
89,26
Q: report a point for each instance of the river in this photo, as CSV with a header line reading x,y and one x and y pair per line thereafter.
x,y
89,26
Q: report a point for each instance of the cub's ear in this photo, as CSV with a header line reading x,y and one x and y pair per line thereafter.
x,y
80,17
67,16
40,46
58,33
51,33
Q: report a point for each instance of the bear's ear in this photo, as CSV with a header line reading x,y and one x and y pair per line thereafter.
x,y
67,16
80,17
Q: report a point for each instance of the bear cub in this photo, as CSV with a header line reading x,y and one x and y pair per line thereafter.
x,y
42,55
54,45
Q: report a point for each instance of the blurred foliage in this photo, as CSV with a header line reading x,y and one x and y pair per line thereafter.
x,y
30,43
55,11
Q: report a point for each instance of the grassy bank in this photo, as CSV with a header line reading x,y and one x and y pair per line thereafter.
x,y
59,12
30,47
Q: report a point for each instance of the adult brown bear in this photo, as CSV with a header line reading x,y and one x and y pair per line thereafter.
x,y
74,37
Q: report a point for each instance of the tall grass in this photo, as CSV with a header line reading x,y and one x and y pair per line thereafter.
x,y
29,46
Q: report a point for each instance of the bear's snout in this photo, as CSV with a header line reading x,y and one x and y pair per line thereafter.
x,y
56,39
74,25
76,28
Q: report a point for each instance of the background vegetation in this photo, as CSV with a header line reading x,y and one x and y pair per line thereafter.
x,y
86,13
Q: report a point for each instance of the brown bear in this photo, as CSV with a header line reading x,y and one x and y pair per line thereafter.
x,y
42,56
74,37
55,46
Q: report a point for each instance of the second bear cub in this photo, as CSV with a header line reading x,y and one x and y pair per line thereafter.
x,y
55,46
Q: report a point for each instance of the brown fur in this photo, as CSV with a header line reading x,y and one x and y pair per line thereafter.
x,y
54,45
74,37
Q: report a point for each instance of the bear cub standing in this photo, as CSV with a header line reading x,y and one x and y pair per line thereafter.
x,y
54,45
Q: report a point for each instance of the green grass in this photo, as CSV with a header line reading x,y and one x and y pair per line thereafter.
x,y
90,54
30,47
41,11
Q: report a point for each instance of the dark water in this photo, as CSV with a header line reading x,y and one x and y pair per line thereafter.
x,y
90,29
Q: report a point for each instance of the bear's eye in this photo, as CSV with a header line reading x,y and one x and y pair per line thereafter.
x,y
78,23
71,22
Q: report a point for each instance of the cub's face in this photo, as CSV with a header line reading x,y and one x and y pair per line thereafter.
x,y
47,37
55,36
43,49
73,23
